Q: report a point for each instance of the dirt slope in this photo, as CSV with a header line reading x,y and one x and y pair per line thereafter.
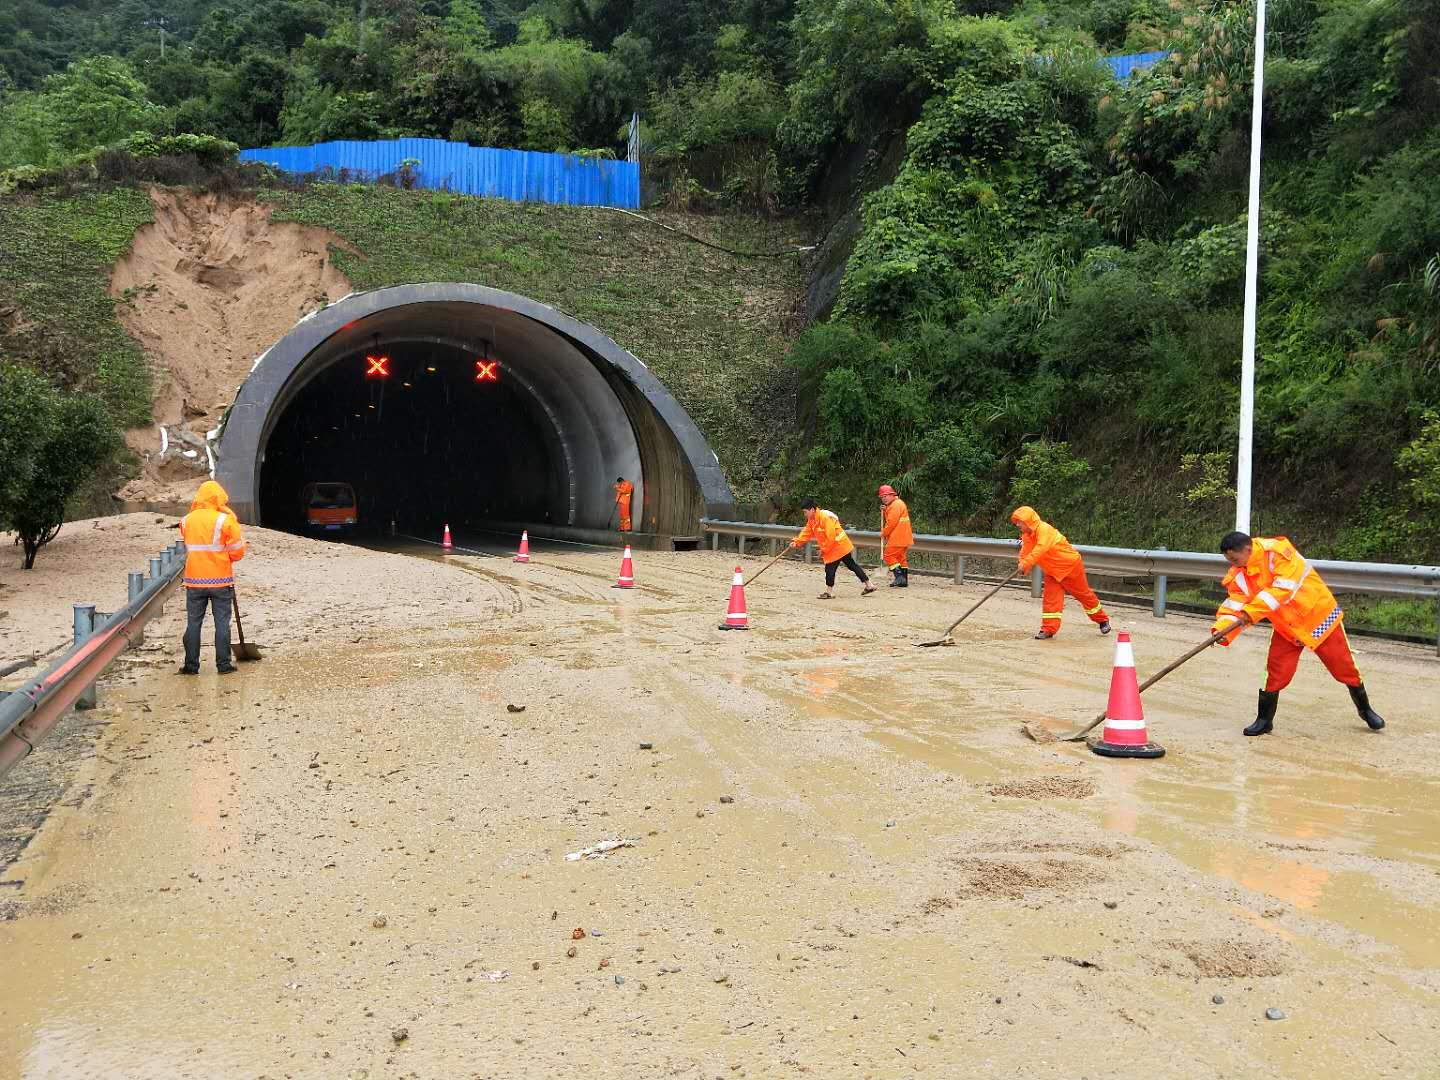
x,y
207,287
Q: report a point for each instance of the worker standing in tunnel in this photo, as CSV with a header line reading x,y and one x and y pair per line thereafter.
x,y
1269,579
896,537
1043,545
836,547
213,544
624,489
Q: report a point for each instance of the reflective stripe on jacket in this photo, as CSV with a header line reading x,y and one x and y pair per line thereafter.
x,y
828,534
1044,546
896,532
213,542
1278,584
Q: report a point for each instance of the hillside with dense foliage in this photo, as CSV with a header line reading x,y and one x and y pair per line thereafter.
x,y
1042,298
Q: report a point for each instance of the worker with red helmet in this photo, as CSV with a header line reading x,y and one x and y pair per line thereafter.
x,y
896,537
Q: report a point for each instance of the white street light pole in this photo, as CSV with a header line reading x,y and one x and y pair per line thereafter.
x,y
1244,465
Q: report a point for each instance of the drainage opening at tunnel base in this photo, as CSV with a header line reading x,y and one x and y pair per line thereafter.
x,y
467,403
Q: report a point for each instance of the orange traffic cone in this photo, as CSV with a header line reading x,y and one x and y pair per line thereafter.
x,y
627,571
445,542
737,618
523,555
1125,734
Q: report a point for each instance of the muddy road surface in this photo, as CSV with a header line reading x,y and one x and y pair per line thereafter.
x,y
844,859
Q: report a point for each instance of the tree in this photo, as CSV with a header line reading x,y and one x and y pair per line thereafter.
x,y
98,101
51,443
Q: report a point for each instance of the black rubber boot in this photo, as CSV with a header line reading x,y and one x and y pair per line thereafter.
x,y
902,578
1265,720
1105,627
1362,706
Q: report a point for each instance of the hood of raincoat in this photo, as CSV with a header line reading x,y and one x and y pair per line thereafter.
x,y
1026,516
211,496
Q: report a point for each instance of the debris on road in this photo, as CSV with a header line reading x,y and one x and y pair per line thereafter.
x,y
597,851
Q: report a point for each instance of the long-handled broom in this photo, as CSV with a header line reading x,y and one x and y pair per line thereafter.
x,y
1043,735
946,639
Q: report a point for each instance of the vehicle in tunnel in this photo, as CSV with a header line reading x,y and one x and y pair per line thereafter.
x,y
460,403
330,506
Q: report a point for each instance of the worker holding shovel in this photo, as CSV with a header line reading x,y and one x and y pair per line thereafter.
x,y
213,544
1043,545
896,537
1269,579
825,529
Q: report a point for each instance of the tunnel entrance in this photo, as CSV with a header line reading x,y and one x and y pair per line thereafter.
x,y
463,404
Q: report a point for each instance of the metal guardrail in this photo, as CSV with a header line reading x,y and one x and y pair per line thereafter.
x,y
1385,579
28,713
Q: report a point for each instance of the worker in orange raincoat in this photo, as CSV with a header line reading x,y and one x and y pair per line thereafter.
x,y
624,489
213,544
896,537
835,547
1043,545
1269,579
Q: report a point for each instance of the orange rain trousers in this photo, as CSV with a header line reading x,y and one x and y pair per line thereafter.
x,y
1334,652
897,556
1053,603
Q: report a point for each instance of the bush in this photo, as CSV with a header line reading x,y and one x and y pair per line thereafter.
x,y
51,443
952,477
1054,481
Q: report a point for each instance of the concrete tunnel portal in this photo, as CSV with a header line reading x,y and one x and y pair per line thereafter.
x,y
461,403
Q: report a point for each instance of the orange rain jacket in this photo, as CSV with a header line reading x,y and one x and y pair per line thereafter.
x,y
1278,584
212,539
829,534
1045,547
896,532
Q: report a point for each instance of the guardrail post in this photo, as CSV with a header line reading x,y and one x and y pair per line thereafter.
x,y
1160,583
773,546
959,569
84,627
714,541
1037,582
134,586
809,551
157,569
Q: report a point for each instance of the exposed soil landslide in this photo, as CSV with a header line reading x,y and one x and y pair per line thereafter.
x,y
206,288
844,859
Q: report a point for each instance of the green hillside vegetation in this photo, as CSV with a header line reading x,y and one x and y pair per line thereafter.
x,y
1043,297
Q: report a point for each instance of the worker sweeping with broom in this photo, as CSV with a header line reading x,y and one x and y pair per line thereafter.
x,y
1043,545
825,529
1269,579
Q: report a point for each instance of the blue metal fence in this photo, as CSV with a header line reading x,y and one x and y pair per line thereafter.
x,y
1125,66
521,175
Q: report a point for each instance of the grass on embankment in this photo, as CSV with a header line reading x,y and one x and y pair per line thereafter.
x,y
56,313
713,327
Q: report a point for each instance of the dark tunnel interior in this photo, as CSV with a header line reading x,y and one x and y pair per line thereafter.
x,y
424,433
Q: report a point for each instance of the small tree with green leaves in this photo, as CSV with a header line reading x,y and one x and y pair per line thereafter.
x,y
51,443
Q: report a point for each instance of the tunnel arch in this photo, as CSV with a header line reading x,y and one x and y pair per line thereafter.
x,y
583,408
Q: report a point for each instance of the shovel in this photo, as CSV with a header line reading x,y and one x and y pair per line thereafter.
x,y
947,639
1077,736
242,649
